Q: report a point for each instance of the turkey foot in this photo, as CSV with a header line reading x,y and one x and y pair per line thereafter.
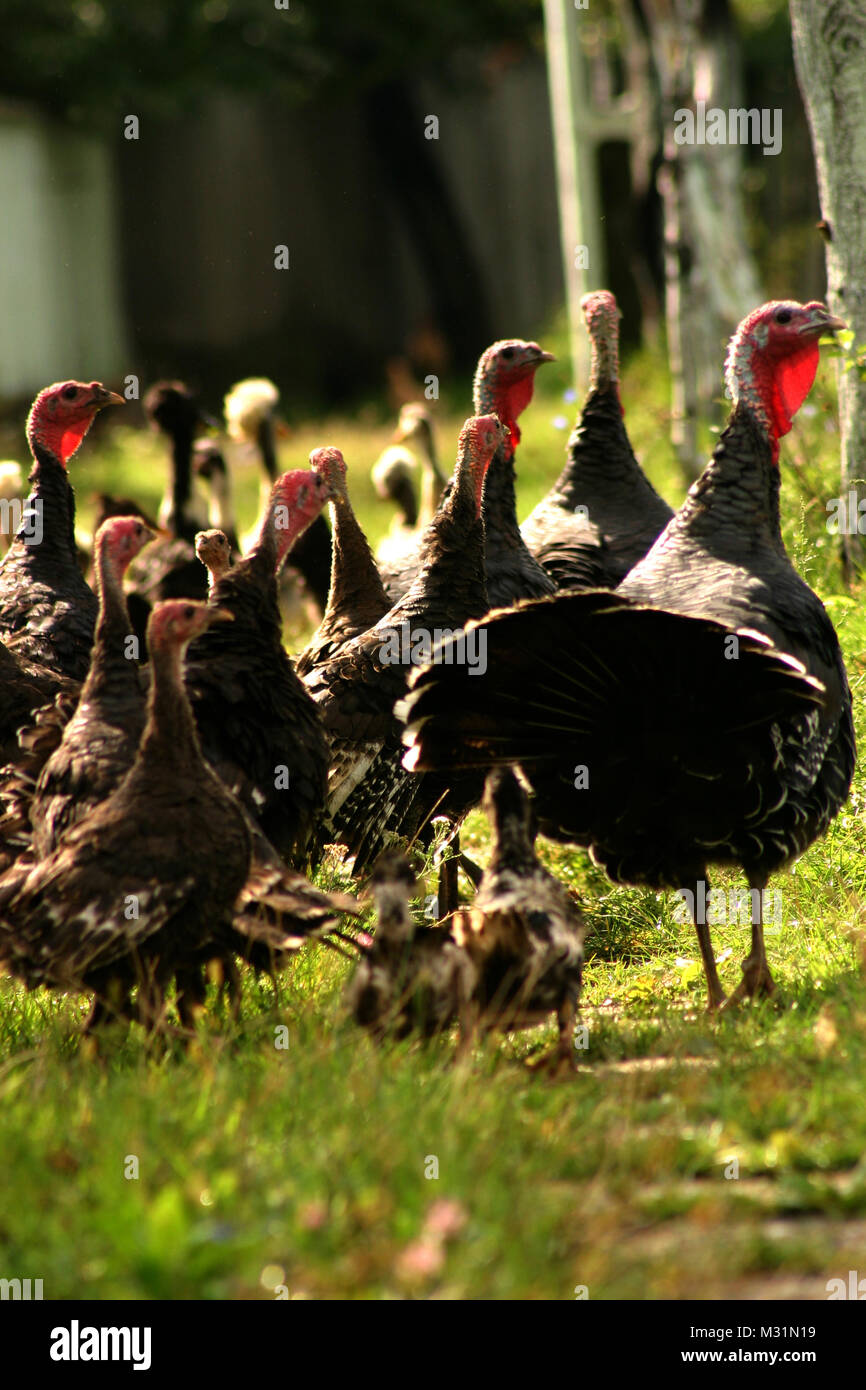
x,y
757,980
561,1059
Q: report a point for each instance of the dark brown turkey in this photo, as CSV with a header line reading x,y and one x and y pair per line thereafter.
x,y
602,514
99,742
504,382
356,598
45,603
258,726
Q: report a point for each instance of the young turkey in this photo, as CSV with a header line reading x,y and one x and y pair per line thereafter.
x,y
215,553
209,464
523,933
412,979
356,598
393,476
258,726
168,568
45,603
602,514
701,713
250,412
99,742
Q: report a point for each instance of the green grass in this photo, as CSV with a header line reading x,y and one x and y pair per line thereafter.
x,y
303,1168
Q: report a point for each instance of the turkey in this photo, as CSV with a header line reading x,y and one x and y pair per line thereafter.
x,y
250,412
701,713
99,742
45,603
168,568
209,464
369,794
602,515
393,478
258,726
215,553
174,411
412,979
157,879
524,933
357,598
504,382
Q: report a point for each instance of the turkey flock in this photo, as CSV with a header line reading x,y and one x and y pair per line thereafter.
x,y
662,689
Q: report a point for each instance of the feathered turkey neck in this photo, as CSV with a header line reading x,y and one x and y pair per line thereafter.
x,y
170,734
508,810
457,524
112,625
356,585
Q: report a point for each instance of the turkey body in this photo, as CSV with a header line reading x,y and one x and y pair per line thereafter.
x,y
602,514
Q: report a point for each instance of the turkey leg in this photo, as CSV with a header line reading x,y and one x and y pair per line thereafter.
x,y
715,993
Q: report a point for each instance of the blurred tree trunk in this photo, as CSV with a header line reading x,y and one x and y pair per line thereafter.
x,y
710,277
830,57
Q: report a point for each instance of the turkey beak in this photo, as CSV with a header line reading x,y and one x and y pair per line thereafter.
x,y
546,357
220,615
102,397
823,322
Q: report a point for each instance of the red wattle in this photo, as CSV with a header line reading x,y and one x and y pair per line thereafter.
x,y
519,394
71,436
792,381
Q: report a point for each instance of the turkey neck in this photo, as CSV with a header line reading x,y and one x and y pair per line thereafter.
x,y
356,585
500,502
512,848
267,448
432,481
733,508
109,666
170,739
221,511
181,483
598,450
50,486
249,588
451,586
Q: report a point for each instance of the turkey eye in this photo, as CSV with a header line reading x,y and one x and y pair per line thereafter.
x,y
508,353
783,316
70,393
188,612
